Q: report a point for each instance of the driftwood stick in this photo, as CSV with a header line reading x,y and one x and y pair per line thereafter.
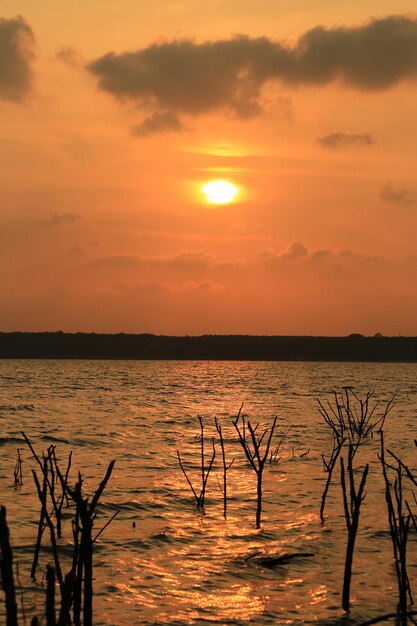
x,y
106,524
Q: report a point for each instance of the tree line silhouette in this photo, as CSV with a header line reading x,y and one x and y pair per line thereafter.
x,y
60,345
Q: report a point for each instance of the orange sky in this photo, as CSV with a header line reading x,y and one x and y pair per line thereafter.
x,y
113,116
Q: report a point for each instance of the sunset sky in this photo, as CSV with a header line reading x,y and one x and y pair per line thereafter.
x,y
115,114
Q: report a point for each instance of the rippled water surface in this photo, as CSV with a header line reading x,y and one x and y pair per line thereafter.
x,y
160,562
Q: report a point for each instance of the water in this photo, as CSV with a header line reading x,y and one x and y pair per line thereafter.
x,y
160,562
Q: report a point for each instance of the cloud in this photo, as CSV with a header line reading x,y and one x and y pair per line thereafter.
x,y
17,43
188,265
186,77
157,123
320,253
62,218
376,55
345,140
298,252
70,55
181,260
187,259
152,286
396,196
207,286
117,261
348,254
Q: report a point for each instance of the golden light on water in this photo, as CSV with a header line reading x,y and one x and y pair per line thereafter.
x,y
318,594
219,191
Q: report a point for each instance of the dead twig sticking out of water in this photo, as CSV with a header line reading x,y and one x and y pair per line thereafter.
x,y
335,419
204,470
352,504
50,597
76,587
49,472
6,570
42,495
352,420
251,444
226,467
353,417
18,474
42,523
399,523
86,514
274,456
328,468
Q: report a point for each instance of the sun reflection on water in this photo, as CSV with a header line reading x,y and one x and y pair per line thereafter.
x,y
160,562
235,602
318,594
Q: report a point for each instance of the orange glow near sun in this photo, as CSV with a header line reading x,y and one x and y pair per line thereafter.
x,y
219,191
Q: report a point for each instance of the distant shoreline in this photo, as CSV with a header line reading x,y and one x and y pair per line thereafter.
x,y
60,345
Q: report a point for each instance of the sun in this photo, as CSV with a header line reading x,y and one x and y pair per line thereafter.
x,y
219,191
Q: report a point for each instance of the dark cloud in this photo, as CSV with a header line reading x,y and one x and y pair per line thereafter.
x,y
70,55
17,44
344,140
185,77
396,196
157,123
62,218
376,55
